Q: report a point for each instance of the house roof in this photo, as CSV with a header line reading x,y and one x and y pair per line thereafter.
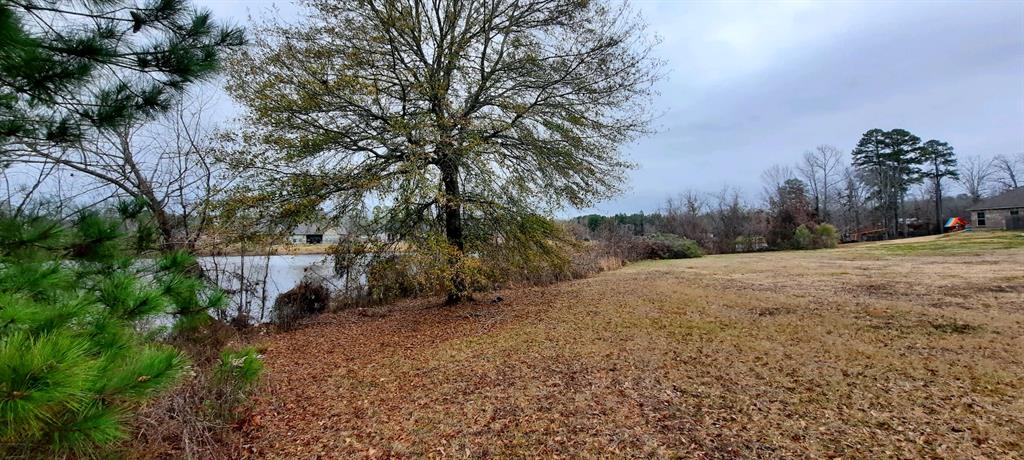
x,y
1010,199
308,228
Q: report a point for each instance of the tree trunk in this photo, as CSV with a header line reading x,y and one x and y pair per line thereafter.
x,y
897,199
896,216
897,205
452,208
888,210
895,221
938,205
452,205
824,197
899,211
166,228
163,221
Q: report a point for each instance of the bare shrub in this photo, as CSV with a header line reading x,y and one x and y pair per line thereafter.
x,y
669,246
435,268
390,277
308,298
593,258
602,256
200,418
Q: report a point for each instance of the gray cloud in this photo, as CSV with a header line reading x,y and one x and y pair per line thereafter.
x,y
787,77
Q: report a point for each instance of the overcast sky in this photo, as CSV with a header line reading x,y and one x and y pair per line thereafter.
x,y
751,84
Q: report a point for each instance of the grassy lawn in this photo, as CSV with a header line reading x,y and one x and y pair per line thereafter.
x,y
963,243
885,350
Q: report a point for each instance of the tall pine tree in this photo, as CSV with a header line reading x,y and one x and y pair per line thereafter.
x,y
939,162
869,158
891,159
903,152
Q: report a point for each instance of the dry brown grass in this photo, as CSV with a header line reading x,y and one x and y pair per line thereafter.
x,y
302,249
199,418
856,352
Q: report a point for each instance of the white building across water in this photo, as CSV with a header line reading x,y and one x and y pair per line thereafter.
x,y
315,234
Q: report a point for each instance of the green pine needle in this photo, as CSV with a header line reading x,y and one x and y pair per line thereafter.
x,y
75,358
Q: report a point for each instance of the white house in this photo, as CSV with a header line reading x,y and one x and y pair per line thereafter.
x,y
315,234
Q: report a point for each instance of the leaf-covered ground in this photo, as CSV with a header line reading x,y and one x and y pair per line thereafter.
x,y
854,352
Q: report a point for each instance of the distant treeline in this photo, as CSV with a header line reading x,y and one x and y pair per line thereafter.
x,y
890,185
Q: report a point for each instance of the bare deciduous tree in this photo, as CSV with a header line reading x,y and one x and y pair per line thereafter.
x,y
730,219
773,178
819,170
854,195
20,191
1009,170
976,174
685,216
165,163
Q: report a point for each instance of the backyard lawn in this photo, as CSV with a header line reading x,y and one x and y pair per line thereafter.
x,y
904,350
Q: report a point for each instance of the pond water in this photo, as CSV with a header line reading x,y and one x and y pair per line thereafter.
x,y
254,282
